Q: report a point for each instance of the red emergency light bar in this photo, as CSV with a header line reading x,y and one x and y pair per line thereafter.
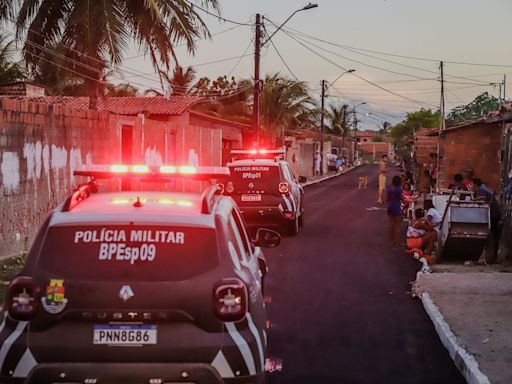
x,y
253,152
157,173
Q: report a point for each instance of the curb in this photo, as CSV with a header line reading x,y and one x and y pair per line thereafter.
x,y
464,361
327,177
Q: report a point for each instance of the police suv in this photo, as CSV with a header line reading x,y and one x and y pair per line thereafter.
x,y
139,287
266,190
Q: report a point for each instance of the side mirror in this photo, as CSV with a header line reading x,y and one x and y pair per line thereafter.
x,y
303,179
267,238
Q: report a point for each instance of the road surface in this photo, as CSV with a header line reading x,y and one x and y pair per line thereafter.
x,y
340,309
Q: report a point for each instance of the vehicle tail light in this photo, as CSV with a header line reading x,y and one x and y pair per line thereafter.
x,y
284,188
23,298
230,300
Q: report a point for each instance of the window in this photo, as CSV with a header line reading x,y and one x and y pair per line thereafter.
x,y
240,224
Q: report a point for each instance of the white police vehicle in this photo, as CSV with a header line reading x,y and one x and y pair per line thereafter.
x,y
266,190
139,287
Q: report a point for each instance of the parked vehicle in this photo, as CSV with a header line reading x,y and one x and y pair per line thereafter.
x,y
139,286
267,191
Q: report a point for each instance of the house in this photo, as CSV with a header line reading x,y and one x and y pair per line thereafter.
x,y
473,145
44,139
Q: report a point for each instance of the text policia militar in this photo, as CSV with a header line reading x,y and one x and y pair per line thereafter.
x,y
251,172
142,242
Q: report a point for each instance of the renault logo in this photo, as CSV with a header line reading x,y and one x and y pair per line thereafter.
x,y
125,293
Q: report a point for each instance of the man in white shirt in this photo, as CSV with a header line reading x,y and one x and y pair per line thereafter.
x,y
433,216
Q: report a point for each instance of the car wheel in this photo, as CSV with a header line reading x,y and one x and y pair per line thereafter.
x,y
293,227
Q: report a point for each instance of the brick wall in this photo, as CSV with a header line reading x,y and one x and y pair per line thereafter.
x,y
375,150
41,145
424,145
477,147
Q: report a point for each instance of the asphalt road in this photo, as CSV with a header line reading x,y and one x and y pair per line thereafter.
x,y
340,309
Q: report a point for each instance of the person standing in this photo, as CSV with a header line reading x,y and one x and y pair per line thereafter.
x,y
383,170
395,198
316,163
483,192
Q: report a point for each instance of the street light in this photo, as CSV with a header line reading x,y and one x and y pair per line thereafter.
x,y
305,8
257,46
324,88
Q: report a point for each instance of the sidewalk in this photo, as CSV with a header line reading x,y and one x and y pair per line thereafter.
x,y
471,308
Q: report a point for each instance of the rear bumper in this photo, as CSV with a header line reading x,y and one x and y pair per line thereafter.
x,y
131,373
266,216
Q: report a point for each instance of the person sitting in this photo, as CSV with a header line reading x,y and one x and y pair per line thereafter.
x,y
421,235
458,183
433,217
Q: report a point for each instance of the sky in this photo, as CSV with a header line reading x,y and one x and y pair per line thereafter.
x,y
395,47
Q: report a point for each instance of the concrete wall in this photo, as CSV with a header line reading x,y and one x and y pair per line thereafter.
x,y
41,146
476,147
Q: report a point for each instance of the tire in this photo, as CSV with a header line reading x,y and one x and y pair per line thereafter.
x,y
292,228
301,219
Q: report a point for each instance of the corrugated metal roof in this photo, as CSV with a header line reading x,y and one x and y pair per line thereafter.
x,y
159,105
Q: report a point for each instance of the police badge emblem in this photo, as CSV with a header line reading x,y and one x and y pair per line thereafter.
x,y
54,301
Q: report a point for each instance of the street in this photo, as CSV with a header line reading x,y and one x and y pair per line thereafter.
x,y
340,308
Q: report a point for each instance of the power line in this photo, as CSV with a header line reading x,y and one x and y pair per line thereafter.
x,y
401,56
240,58
218,16
358,76
279,54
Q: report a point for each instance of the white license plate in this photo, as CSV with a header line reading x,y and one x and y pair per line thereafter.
x,y
115,334
251,197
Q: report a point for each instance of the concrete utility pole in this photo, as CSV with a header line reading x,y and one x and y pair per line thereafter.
x,y
322,130
504,87
441,126
257,83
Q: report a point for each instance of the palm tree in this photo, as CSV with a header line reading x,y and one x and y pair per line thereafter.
x,y
9,70
338,119
284,104
120,90
181,81
95,33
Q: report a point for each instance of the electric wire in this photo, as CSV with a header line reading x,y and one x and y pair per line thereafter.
x,y
360,77
220,18
279,54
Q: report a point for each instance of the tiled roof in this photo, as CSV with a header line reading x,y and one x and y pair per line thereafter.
x,y
159,105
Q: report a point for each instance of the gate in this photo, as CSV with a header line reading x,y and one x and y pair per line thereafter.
x,y
506,187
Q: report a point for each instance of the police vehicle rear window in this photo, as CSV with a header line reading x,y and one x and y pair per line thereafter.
x,y
137,253
261,177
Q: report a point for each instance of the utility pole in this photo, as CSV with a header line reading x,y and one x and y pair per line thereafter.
x,y
257,84
441,126
322,130
354,119
504,88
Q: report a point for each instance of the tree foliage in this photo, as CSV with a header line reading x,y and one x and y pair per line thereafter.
x,y
95,34
402,132
9,71
227,98
181,81
337,115
479,107
285,104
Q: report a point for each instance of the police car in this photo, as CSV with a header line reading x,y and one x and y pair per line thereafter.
x,y
266,190
139,287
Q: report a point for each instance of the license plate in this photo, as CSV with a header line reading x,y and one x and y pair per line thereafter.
x,y
125,334
251,197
